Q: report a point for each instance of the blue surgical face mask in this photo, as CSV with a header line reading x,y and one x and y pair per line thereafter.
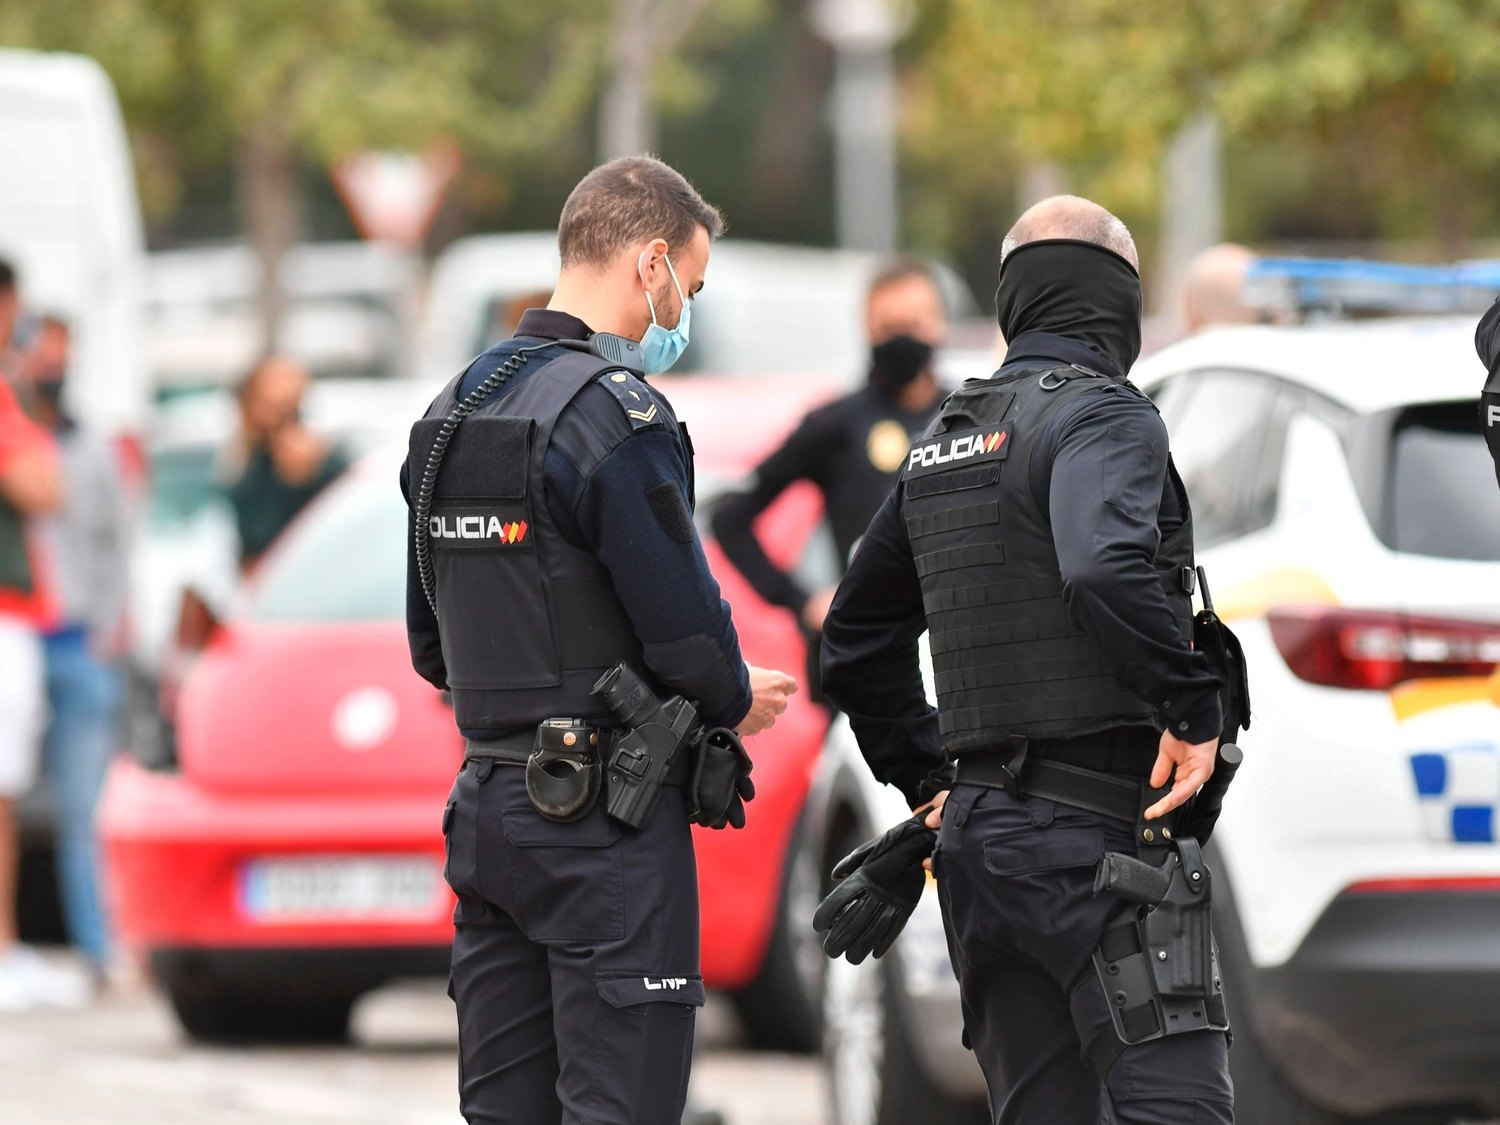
x,y
661,347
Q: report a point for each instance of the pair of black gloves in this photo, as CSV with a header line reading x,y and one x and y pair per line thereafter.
x,y
882,883
720,783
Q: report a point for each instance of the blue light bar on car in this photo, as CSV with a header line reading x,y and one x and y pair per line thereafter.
x,y
1351,286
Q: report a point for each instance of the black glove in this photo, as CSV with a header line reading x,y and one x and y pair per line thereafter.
x,y
882,884
721,780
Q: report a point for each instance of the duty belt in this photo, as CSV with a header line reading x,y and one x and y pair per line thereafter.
x,y
515,750
1106,794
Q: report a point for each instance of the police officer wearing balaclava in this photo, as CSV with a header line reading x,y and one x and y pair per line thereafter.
x,y
1040,536
1487,344
852,448
558,589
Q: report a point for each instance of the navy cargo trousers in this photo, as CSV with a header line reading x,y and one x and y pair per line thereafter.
x,y
1016,883
575,958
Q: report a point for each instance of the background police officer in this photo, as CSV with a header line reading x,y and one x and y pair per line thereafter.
x,y
562,542
1487,344
851,448
1048,560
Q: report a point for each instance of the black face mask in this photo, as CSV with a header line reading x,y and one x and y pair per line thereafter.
x,y
49,391
897,361
1487,338
1076,290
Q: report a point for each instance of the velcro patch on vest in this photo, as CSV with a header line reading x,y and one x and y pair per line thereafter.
x,y
474,527
640,408
958,450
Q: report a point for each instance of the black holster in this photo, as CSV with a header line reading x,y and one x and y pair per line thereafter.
x,y
1157,959
655,733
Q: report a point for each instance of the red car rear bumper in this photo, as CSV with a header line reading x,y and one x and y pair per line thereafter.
x,y
175,857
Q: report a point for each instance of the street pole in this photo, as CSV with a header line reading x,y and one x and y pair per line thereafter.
x,y
863,116
1192,206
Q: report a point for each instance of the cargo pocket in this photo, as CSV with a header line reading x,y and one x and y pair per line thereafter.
x,y
643,1042
1028,851
565,882
626,990
447,846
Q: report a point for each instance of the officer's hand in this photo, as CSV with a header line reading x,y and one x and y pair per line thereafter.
x,y
769,690
934,819
1187,764
815,609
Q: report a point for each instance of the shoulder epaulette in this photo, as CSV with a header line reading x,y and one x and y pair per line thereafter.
x,y
635,399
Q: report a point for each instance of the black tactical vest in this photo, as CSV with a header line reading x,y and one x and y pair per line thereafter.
x,y
528,622
1009,660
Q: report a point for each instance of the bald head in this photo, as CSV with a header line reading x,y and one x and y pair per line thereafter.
x,y
1211,293
1071,216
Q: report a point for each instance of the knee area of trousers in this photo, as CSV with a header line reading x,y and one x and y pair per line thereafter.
x,y
1177,1070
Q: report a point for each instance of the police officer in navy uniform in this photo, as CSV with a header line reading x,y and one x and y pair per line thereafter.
x,y
1487,344
852,448
1040,536
558,544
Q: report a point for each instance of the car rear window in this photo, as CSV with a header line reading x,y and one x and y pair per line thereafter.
x,y
344,560
1443,499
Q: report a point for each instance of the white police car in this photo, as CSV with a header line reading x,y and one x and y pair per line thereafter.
x,y
1348,519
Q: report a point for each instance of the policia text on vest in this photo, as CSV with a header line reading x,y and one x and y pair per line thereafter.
x,y
1042,538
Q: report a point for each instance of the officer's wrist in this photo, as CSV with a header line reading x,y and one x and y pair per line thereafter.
x,y
1196,718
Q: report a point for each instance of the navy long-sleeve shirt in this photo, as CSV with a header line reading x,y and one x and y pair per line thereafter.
x,y
851,449
600,471
1099,475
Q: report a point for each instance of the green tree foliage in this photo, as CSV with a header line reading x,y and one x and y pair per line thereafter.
x,y
324,78
1392,102
274,86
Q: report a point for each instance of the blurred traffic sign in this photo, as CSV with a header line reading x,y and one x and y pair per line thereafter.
x,y
394,196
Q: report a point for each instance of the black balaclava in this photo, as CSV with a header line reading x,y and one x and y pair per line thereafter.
x,y
1076,290
896,362
1487,338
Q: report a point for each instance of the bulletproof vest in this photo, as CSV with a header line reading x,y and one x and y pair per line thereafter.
x,y
528,622
1009,661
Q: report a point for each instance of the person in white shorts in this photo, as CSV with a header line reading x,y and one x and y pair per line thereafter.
x,y
30,485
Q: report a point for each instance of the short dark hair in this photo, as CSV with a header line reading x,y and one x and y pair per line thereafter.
x,y
892,270
7,276
629,200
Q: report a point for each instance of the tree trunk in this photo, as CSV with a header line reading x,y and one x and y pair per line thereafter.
x,y
270,189
627,123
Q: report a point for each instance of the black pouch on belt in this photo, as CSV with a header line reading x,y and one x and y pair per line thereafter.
x,y
562,774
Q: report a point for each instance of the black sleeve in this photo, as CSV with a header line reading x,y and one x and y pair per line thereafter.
x,y
1108,458
870,664
421,623
798,458
1489,407
633,512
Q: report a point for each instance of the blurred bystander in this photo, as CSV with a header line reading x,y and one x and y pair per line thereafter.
x,y
30,486
278,464
85,542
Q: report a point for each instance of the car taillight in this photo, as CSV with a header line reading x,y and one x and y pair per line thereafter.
x,y
1426,884
1375,651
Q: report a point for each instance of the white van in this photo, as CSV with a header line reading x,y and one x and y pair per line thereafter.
x,y
70,222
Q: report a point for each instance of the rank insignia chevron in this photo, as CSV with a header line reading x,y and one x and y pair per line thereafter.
x,y
634,398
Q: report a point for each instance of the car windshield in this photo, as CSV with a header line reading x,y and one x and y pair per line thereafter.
x,y
1443,499
345,560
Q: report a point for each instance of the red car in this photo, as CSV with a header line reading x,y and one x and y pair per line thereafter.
x,y
287,857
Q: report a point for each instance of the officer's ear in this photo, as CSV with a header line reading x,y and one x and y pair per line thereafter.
x,y
650,261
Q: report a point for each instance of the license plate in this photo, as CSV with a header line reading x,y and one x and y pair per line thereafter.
x,y
336,888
